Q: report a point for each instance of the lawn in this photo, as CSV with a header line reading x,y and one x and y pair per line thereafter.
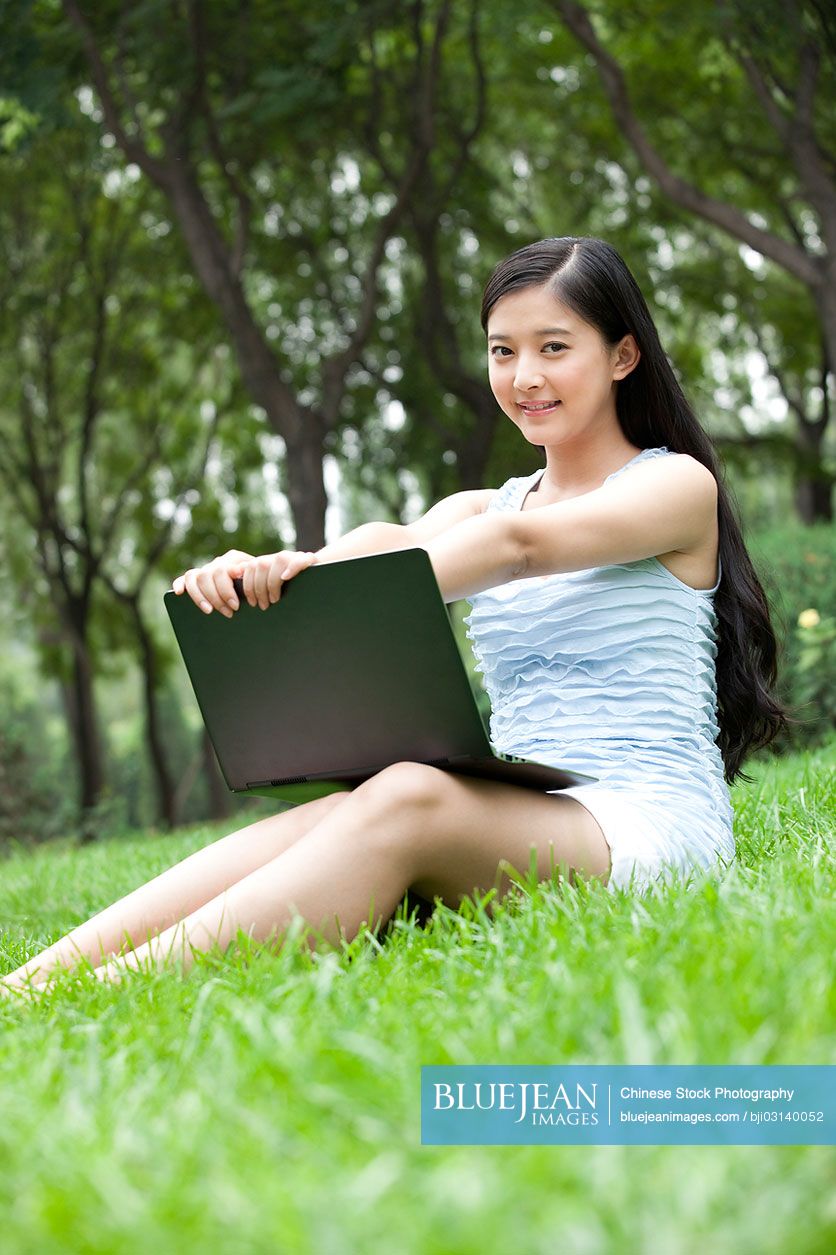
x,y
270,1102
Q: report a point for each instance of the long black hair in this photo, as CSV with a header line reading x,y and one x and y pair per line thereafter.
x,y
590,278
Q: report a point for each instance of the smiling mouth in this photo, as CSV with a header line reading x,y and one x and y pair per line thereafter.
x,y
538,407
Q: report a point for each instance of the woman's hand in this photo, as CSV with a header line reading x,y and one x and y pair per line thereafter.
x,y
263,577
210,586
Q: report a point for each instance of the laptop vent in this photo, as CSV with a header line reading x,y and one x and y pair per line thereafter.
x,y
291,780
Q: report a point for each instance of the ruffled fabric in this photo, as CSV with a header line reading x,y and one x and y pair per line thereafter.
x,y
611,672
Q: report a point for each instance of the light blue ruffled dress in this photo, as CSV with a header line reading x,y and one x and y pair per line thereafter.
x,y
610,671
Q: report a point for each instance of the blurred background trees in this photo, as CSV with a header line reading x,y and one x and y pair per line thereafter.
x,y
243,248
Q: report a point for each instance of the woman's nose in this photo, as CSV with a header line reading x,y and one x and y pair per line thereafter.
x,y
528,374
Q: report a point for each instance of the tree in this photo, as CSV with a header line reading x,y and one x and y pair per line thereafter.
x,y
88,418
196,101
755,79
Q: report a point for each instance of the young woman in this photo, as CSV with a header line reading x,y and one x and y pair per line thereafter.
x,y
620,628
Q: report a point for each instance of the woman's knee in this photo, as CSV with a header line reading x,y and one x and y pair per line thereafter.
x,y
321,806
399,808
405,785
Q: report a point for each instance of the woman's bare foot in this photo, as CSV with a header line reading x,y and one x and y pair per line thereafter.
x,y
28,992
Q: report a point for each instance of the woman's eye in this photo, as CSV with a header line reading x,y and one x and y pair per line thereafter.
x,y
502,350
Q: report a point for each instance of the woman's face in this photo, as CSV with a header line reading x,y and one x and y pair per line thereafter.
x,y
551,372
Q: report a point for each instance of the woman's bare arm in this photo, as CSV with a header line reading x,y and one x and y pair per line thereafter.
x,y
211,586
652,509
381,537
368,538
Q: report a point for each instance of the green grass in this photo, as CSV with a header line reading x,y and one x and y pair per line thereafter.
x,y
270,1102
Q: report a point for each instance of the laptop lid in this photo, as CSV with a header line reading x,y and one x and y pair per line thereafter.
x,y
354,668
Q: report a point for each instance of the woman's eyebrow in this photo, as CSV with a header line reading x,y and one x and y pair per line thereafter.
x,y
544,331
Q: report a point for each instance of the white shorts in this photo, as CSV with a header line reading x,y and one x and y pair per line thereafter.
x,y
652,841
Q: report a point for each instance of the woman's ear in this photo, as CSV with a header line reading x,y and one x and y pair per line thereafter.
x,y
626,358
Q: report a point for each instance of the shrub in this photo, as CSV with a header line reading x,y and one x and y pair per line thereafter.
x,y
797,566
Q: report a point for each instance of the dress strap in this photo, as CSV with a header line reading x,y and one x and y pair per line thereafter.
x,y
644,455
512,493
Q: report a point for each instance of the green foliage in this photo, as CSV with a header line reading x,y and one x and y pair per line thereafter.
x,y
35,803
817,664
15,122
797,567
206,1113
298,122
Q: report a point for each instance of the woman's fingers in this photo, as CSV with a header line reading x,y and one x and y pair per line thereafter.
x,y
267,579
262,571
206,582
225,588
247,582
264,578
193,588
283,568
211,587
273,578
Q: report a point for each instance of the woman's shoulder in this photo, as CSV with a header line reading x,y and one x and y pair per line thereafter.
x,y
687,470
450,511
508,495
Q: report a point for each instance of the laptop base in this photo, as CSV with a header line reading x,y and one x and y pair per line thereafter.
x,y
527,775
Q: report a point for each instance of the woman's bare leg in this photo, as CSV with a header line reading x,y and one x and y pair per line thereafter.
x,y
177,892
409,826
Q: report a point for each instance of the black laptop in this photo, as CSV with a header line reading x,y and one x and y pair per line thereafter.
x,y
354,668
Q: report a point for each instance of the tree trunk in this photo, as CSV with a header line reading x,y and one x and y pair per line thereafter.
x,y
298,425
472,446
813,481
84,724
305,488
164,783
814,487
